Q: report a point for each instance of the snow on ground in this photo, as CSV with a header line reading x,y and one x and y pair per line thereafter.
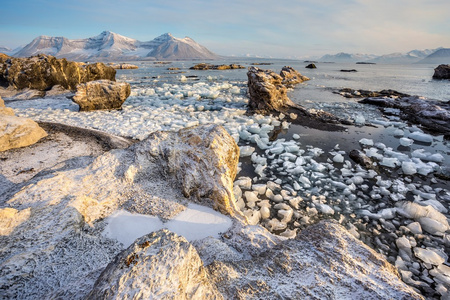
x,y
194,223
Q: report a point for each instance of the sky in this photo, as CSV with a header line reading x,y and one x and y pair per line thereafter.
x,y
280,29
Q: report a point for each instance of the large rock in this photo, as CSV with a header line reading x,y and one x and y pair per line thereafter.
x,y
16,132
42,72
291,76
101,94
442,72
266,91
160,265
203,161
323,262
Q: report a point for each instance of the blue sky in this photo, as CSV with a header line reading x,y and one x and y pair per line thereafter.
x,y
281,28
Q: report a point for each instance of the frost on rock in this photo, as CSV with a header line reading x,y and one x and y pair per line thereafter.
x,y
323,261
156,266
55,222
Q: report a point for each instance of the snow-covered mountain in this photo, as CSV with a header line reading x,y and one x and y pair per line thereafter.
x,y
343,57
112,46
442,56
412,56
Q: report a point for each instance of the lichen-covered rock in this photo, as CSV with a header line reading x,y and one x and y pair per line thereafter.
x,y
442,72
291,76
267,92
16,132
101,94
42,72
323,262
203,160
160,265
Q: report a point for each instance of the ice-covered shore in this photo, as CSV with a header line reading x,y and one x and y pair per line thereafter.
x,y
293,185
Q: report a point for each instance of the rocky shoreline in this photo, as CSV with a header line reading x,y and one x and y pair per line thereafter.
x,y
278,245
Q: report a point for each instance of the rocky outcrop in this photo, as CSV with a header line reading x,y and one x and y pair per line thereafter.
x,y
204,66
291,76
101,94
268,94
202,161
160,265
266,91
16,132
442,72
351,93
323,262
42,72
432,115
311,66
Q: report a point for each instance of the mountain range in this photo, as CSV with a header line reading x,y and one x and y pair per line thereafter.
x,y
110,46
432,56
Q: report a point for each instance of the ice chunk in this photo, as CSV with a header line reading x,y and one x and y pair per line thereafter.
x,y
260,188
429,256
409,168
405,142
338,158
398,132
421,137
246,151
366,142
429,218
295,136
360,120
390,162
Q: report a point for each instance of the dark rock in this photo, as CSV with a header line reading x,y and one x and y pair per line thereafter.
x,y
432,115
42,72
350,70
360,158
204,66
261,64
351,93
442,72
311,66
291,76
101,94
365,63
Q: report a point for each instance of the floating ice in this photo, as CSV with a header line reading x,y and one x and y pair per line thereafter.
x,y
406,142
246,151
409,168
366,142
429,256
421,137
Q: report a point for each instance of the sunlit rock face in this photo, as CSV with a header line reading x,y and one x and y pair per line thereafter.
x,y
291,76
203,161
16,132
323,262
42,72
160,265
266,91
101,94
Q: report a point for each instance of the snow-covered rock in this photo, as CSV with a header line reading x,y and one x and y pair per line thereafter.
x,y
156,266
16,132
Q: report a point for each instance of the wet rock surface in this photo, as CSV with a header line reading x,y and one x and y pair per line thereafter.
x,y
442,72
432,115
42,72
101,94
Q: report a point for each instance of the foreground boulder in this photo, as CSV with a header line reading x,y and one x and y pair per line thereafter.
x,y
291,76
160,265
442,72
42,72
323,262
101,94
16,132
